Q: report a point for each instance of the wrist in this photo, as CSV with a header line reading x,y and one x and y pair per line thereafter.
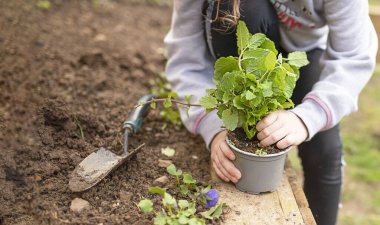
x,y
217,138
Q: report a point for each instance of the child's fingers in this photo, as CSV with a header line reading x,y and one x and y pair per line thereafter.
x,y
227,151
275,137
286,142
228,167
270,129
222,169
268,120
219,173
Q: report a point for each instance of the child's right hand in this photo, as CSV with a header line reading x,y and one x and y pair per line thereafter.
x,y
222,157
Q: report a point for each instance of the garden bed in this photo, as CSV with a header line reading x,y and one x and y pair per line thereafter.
x,y
78,66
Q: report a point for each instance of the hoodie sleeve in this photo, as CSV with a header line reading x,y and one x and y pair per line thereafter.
x,y
347,65
190,66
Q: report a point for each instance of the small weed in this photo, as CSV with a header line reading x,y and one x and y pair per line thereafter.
x,y
77,123
43,4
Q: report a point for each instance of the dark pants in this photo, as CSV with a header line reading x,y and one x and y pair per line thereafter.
x,y
322,156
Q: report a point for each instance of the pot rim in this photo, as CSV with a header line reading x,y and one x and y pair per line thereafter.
x,y
254,155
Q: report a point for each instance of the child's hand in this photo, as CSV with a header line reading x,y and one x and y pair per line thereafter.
x,y
283,127
221,157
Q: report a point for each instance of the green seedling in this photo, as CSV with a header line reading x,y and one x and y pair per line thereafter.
x,y
254,84
169,152
43,4
172,170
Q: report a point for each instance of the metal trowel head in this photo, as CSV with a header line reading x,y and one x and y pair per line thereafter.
x,y
95,167
99,164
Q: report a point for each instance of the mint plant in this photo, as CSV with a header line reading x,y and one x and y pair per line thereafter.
x,y
184,210
257,82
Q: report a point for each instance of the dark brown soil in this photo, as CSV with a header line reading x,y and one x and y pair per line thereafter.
x,y
81,66
240,140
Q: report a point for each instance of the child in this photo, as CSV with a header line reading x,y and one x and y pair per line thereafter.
x,y
341,45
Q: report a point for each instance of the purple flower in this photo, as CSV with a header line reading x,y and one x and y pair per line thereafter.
x,y
212,199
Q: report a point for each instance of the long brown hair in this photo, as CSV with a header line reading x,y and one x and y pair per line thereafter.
x,y
228,19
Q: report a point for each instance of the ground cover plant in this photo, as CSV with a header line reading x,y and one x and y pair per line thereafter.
x,y
181,206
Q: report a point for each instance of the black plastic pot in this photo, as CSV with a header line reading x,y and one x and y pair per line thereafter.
x,y
259,173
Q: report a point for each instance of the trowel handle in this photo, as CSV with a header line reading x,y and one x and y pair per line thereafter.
x,y
134,121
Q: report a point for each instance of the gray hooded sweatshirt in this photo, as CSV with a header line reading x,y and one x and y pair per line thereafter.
x,y
341,27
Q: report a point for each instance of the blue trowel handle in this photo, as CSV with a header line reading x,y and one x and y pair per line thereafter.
x,y
134,122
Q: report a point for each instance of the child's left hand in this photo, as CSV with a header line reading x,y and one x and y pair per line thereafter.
x,y
282,127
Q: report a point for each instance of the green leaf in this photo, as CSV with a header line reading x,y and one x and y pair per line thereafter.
x,y
256,40
269,45
267,89
183,204
183,220
239,103
184,189
169,152
298,59
173,171
146,205
230,119
192,208
196,221
43,4
256,62
243,36
287,105
160,219
188,98
290,85
172,94
270,61
188,179
168,200
228,81
251,77
168,103
157,190
214,212
153,105
208,102
249,95
250,132
224,65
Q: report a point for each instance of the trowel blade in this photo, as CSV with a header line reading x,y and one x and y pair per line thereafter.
x,y
93,169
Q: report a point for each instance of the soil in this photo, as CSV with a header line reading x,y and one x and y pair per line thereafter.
x,y
69,76
240,140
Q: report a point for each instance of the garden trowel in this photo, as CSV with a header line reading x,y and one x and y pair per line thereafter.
x,y
99,164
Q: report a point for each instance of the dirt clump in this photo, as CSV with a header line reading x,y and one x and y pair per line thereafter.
x,y
65,92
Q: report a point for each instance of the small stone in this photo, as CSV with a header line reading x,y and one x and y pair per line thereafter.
x,y
78,205
194,157
104,203
125,196
100,37
37,178
161,180
164,163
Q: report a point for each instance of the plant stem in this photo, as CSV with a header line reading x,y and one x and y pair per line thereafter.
x,y
240,57
164,99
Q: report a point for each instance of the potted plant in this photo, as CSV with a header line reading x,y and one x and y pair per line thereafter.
x,y
249,87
